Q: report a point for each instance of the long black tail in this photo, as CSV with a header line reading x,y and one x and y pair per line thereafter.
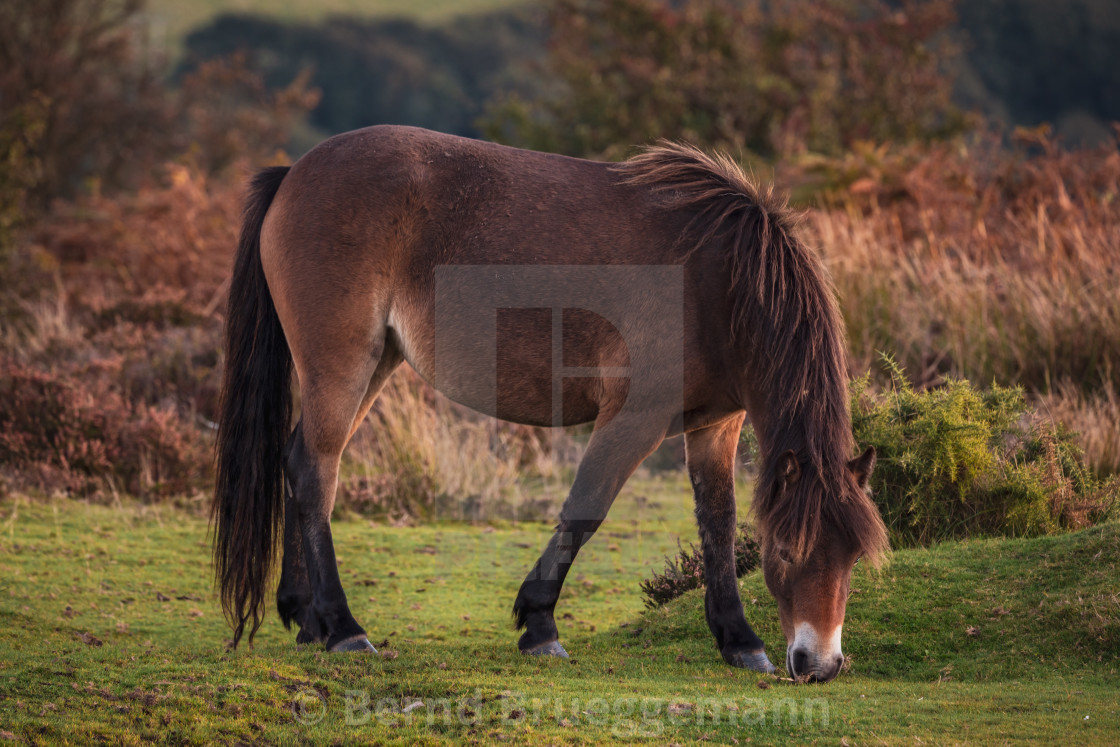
x,y
255,420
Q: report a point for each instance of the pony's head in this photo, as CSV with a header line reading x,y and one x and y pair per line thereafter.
x,y
807,558
812,510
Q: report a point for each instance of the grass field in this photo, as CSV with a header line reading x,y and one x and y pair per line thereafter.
x,y
109,632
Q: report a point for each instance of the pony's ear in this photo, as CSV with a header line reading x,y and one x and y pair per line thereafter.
x,y
789,468
862,465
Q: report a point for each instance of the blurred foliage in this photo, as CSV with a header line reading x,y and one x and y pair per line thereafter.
x,y
119,193
20,131
85,104
1034,61
955,461
762,78
81,69
229,114
394,71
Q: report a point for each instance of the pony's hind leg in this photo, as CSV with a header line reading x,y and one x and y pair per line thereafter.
x,y
711,460
313,470
338,382
293,595
616,448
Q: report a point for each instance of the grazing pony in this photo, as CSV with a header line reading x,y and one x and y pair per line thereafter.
x,y
664,295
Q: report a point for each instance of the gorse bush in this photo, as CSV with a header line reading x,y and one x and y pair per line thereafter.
x,y
954,461
686,571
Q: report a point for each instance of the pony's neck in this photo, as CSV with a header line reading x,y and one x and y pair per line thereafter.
x,y
815,426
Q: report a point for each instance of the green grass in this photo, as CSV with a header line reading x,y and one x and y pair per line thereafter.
x,y
171,20
1042,654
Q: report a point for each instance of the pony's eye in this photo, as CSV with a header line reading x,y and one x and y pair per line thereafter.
x,y
783,555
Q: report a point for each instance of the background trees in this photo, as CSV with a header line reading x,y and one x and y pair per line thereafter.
x,y
761,79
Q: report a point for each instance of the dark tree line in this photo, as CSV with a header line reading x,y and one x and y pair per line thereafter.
x,y
1038,60
1018,61
387,71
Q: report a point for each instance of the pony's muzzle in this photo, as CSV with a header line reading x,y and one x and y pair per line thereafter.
x,y
804,667
814,658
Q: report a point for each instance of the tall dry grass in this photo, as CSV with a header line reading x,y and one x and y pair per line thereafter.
x,y
109,361
1095,416
110,372
994,265
419,452
978,262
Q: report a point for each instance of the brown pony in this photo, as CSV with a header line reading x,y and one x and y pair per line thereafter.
x,y
663,295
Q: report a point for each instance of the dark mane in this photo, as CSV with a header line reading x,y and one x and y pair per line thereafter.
x,y
784,309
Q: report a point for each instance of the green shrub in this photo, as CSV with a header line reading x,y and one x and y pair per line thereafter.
x,y
686,571
955,461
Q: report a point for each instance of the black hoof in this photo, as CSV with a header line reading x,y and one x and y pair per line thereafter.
x,y
552,648
358,643
754,660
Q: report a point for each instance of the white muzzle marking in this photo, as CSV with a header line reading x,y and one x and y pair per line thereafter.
x,y
822,652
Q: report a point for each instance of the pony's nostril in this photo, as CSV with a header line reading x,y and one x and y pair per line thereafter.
x,y
800,662
839,662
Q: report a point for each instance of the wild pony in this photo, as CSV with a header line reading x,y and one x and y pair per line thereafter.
x,y
667,294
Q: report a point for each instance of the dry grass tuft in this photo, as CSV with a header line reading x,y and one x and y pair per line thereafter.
x,y
1095,417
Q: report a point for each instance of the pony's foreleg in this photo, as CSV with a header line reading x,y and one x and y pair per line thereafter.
x,y
294,596
710,453
615,450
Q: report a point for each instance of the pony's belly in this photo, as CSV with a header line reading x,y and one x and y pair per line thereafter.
x,y
514,371
518,393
